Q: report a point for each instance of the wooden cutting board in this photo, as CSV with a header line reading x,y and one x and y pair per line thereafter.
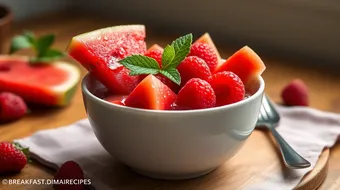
x,y
255,162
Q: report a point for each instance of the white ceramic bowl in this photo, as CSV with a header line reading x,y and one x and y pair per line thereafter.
x,y
171,144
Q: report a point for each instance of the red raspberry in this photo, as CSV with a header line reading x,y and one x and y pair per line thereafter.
x,y
70,170
193,67
11,107
295,93
228,88
156,54
196,94
12,157
206,52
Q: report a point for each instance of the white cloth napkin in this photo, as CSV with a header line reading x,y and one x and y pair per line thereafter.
x,y
307,130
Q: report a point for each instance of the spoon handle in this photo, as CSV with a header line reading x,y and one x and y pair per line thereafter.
x,y
290,157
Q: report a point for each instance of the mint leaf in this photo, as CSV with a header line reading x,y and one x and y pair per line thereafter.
x,y
182,48
30,36
172,74
145,71
53,54
43,43
139,64
172,56
44,54
41,60
18,43
167,56
48,56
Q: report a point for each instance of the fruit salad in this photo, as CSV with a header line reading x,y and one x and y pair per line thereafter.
x,y
184,75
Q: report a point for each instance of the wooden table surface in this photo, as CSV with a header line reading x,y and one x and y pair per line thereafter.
x,y
323,85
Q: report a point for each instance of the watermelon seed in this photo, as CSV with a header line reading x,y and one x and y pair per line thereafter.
x,y
5,67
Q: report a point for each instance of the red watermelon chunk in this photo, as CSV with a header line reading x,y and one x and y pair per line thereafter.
x,y
99,52
151,93
245,63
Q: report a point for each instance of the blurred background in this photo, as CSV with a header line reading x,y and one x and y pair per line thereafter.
x,y
304,30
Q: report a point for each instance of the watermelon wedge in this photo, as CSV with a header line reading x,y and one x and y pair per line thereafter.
x,y
245,63
151,93
205,49
51,84
98,51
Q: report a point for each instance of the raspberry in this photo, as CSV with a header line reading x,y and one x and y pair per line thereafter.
x,y
193,67
70,170
295,93
156,54
12,107
196,94
228,88
206,52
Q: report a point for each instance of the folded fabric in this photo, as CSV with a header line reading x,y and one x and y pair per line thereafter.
x,y
307,130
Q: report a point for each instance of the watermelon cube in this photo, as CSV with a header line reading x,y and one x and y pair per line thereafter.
x,y
151,93
245,63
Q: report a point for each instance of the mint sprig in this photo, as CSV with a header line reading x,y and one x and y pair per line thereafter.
x,y
172,56
168,56
172,74
182,48
139,64
41,45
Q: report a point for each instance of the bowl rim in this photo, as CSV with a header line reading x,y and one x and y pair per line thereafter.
x,y
87,93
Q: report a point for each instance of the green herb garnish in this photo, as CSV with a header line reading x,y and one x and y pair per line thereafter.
x,y
41,46
172,56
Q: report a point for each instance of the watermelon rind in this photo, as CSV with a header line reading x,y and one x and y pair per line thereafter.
x,y
113,29
66,91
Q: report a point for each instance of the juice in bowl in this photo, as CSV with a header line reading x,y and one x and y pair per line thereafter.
x,y
172,113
